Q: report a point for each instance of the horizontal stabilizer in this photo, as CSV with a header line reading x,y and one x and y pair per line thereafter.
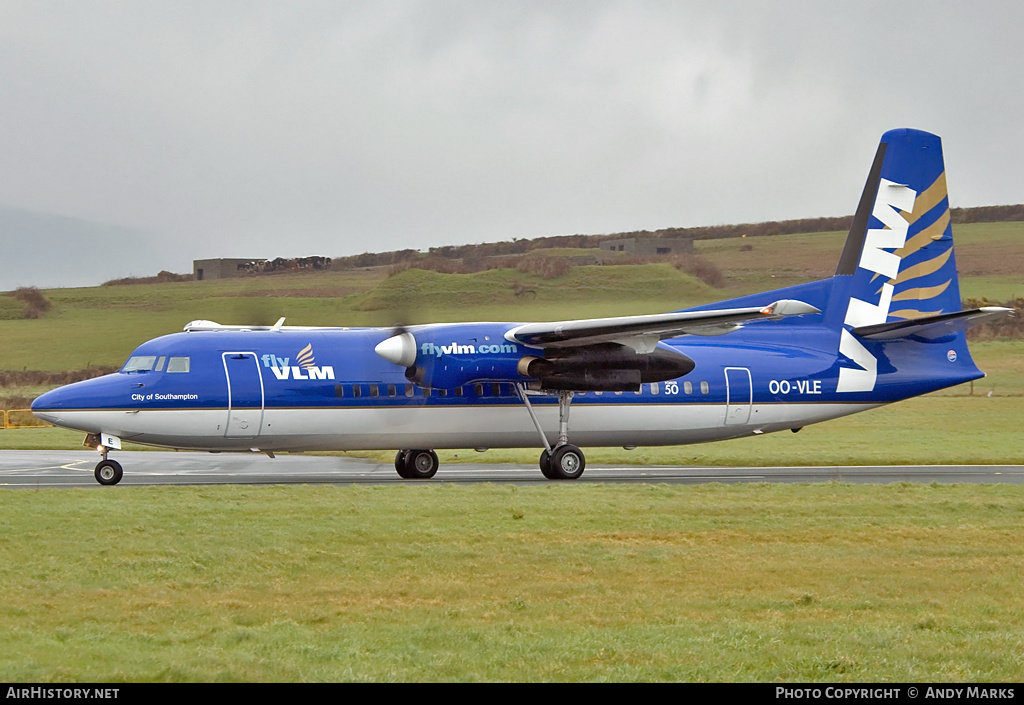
x,y
935,326
642,332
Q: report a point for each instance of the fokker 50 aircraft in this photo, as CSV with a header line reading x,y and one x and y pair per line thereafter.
x,y
886,327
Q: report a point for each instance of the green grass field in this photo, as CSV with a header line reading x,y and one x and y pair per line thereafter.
x,y
816,583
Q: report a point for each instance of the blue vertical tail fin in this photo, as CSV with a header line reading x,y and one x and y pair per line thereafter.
x,y
896,283
899,253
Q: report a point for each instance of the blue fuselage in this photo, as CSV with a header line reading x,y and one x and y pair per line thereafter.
x,y
304,389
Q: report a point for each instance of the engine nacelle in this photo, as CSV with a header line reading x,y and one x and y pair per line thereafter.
x,y
447,356
607,367
453,355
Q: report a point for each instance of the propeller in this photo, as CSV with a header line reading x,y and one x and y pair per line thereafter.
x,y
400,348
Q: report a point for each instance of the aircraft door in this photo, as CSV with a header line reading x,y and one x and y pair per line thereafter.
x,y
245,394
738,395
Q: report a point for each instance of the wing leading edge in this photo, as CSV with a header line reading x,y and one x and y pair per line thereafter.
x,y
642,333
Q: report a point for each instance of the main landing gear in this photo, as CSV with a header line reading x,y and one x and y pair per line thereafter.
x,y
416,464
565,461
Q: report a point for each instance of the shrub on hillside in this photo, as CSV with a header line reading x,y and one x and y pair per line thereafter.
x,y
35,303
1008,327
702,268
25,378
431,264
544,267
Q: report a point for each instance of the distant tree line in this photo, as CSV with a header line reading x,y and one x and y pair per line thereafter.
x,y
509,253
162,277
518,246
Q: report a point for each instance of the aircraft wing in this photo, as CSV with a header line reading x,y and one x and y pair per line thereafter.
x,y
642,333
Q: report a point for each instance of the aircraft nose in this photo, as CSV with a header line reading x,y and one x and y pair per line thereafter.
x,y
59,406
46,405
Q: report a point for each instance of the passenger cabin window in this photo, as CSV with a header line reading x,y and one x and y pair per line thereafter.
x,y
179,364
703,387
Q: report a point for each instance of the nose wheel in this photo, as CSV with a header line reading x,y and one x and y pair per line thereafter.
x,y
108,472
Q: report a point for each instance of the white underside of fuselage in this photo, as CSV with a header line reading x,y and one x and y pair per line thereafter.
x,y
496,426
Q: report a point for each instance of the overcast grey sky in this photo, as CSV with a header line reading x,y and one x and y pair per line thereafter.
x,y
293,128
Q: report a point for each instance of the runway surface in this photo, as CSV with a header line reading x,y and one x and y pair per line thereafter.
x,y
55,469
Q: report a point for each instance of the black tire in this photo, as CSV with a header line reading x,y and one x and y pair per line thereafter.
x,y
400,461
567,462
421,464
108,472
545,464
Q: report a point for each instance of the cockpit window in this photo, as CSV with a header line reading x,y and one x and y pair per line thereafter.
x,y
179,364
139,363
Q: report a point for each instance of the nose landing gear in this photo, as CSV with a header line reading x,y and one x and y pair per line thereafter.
x,y
107,472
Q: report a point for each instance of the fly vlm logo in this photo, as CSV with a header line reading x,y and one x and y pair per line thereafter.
x,y
891,199
457,349
306,369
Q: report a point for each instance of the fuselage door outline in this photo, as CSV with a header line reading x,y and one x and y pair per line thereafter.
x,y
245,404
739,392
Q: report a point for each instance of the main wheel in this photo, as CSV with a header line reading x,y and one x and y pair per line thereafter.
x,y
421,464
400,462
108,472
567,462
545,464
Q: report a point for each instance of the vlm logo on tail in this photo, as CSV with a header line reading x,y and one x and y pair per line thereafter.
x,y
890,200
898,264
306,369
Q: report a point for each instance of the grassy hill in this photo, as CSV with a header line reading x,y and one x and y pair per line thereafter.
x,y
102,325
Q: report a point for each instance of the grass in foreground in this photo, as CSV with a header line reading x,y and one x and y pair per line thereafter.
x,y
560,582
